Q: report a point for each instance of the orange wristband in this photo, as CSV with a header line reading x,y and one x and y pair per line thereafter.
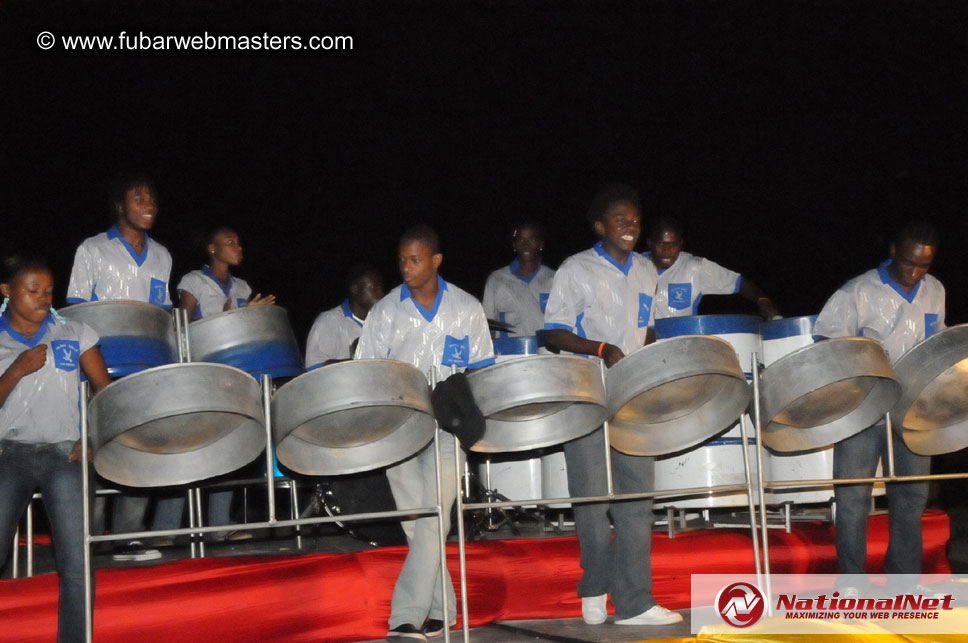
x,y
601,347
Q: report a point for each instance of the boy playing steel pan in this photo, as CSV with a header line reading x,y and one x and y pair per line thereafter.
x,y
684,278
125,263
440,329
898,304
335,330
601,304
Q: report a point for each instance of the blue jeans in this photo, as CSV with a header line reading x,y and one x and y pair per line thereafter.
x,y
169,510
26,468
856,457
621,566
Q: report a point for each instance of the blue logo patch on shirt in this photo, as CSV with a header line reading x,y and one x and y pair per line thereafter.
x,y
240,302
680,296
67,354
543,300
930,324
157,292
456,351
645,307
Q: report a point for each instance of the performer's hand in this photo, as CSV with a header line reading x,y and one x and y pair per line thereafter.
x,y
259,300
767,309
31,360
75,454
612,355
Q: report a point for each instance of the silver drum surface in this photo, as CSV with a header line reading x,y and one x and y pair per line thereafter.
x,y
176,424
353,416
824,393
257,339
538,401
932,412
134,335
674,394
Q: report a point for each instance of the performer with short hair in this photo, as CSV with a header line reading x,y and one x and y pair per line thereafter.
x,y
517,294
336,330
898,304
601,304
684,278
41,357
125,263
440,329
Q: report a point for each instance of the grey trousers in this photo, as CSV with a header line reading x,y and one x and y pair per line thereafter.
x,y
857,457
417,593
621,566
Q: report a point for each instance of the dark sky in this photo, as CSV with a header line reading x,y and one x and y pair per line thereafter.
x,y
790,137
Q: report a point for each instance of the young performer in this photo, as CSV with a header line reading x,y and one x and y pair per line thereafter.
x,y
203,293
125,263
336,330
685,278
213,289
41,357
440,329
517,294
601,304
898,304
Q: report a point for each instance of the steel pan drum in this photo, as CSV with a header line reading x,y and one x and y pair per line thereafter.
x,y
134,335
176,424
353,416
674,394
825,392
256,339
932,413
780,338
538,401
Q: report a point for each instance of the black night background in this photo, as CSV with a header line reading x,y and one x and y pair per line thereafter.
x,y
790,137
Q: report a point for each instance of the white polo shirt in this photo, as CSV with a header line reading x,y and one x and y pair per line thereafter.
x,y
874,305
448,338
43,407
212,294
331,335
595,297
517,300
107,267
682,285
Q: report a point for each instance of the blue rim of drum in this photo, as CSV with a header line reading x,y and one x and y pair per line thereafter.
x,y
527,345
788,327
707,325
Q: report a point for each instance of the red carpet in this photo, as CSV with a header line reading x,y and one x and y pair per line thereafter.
x,y
346,597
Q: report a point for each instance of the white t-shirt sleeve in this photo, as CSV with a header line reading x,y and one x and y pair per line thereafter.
x,y
488,303
374,337
482,348
564,301
838,318
81,283
716,280
323,342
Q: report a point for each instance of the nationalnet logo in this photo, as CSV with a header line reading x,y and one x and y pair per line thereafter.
x,y
829,604
740,604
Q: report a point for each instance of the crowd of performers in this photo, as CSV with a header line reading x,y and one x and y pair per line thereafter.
x,y
601,302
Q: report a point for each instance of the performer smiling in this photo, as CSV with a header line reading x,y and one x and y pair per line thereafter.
x,y
601,304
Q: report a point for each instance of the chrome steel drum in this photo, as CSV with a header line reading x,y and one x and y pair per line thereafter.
x,y
352,416
134,335
717,461
176,424
674,394
538,401
932,413
825,392
782,337
516,476
256,339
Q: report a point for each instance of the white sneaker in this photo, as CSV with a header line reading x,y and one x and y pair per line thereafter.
x,y
655,615
593,609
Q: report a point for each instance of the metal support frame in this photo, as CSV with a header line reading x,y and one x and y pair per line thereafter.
x,y
610,496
